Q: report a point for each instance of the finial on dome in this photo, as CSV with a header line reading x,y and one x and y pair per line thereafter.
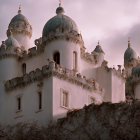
x,y
19,9
59,3
60,10
98,42
129,42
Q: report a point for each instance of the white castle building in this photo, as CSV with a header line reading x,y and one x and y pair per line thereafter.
x,y
42,83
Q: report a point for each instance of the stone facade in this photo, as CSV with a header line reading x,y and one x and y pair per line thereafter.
x,y
43,82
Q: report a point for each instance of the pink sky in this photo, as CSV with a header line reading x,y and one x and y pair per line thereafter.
x,y
110,21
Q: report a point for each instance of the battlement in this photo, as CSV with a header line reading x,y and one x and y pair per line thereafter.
x,y
88,57
52,69
118,72
92,58
20,52
11,51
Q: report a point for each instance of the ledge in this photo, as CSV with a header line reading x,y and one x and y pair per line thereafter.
x,y
19,116
67,108
54,70
18,111
40,110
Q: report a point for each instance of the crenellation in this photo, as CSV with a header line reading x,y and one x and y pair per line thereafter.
x,y
26,78
9,52
88,57
53,70
119,72
55,75
32,51
38,74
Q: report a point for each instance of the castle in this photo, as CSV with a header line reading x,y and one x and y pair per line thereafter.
x,y
43,82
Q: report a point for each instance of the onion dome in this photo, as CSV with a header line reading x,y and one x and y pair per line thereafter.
x,y
136,70
98,49
129,53
11,41
20,24
60,24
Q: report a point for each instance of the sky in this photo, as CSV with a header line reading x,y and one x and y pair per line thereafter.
x,y
110,21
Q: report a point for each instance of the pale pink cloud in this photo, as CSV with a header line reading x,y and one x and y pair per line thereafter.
x,y
110,21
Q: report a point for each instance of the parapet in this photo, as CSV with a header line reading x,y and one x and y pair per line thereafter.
x,y
9,51
88,57
118,72
53,69
34,50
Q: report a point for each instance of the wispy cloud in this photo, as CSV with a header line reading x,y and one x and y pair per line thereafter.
x,y
109,21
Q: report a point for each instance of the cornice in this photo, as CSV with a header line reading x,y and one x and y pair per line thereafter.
x,y
54,70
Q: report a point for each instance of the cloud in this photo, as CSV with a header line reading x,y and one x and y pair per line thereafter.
x,y
116,44
109,21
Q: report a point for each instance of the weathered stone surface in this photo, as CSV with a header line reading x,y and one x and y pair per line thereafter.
x,y
53,69
105,122
94,122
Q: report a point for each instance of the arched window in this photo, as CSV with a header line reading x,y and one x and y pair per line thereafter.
x,y
19,103
75,60
39,100
56,57
24,68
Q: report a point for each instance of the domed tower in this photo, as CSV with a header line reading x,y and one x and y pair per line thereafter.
x,y
21,30
130,59
99,54
11,41
62,40
9,68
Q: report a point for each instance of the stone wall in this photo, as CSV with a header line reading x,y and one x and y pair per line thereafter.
x,y
94,122
102,122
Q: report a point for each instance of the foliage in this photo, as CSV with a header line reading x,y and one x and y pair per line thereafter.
x,y
94,122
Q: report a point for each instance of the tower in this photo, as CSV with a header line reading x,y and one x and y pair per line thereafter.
x,y
99,54
21,30
130,59
9,69
62,40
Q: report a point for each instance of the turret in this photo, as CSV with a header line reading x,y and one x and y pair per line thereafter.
x,y
21,30
8,69
99,54
130,59
62,40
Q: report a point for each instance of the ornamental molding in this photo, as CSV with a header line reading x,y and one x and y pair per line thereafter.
x,y
10,52
20,28
16,31
71,36
52,69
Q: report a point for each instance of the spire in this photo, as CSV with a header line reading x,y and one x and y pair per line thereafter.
x,y
98,42
19,9
129,42
59,3
60,10
98,48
